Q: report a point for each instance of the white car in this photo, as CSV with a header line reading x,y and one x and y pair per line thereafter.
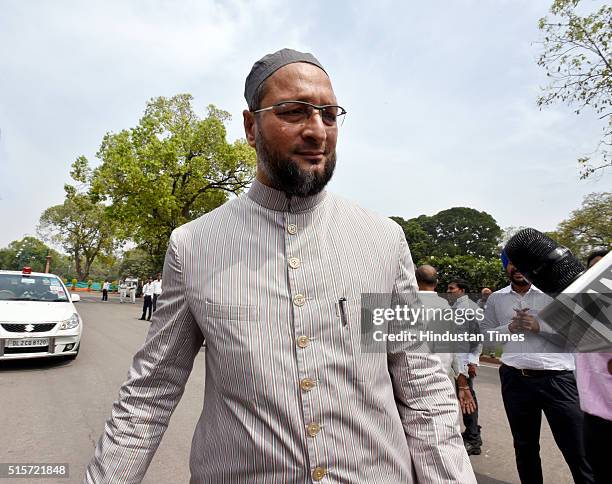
x,y
37,317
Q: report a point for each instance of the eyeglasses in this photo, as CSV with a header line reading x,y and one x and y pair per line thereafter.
x,y
298,112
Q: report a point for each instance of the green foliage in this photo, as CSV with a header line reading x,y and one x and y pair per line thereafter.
x,y
32,252
458,242
81,226
478,271
137,263
456,231
420,242
589,228
170,169
462,230
577,57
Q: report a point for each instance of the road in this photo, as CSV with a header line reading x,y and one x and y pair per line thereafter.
x,y
55,411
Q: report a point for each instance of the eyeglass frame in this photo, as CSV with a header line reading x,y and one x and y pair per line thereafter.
x,y
314,106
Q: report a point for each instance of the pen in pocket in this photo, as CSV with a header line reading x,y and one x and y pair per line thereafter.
x,y
342,306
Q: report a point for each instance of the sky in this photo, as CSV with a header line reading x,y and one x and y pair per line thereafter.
x,y
441,96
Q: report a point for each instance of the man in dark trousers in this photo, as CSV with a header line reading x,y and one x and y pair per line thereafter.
x,y
457,292
147,294
536,377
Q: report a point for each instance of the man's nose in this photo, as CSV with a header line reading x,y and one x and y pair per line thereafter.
x,y
314,128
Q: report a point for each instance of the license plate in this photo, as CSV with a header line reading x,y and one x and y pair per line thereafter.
x,y
24,343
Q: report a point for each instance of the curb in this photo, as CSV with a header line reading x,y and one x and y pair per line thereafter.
x,y
490,359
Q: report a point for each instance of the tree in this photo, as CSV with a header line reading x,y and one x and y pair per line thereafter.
x,y
577,57
462,231
456,231
137,263
420,242
478,271
33,253
589,228
171,168
82,227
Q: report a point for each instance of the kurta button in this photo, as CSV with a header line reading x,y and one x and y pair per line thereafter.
x,y
294,262
299,300
292,229
318,473
307,384
313,429
303,341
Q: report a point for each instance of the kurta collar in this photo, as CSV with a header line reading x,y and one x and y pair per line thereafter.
x,y
276,200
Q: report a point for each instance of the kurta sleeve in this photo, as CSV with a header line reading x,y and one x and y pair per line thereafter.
x,y
425,397
154,385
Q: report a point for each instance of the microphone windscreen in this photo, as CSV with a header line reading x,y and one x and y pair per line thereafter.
x,y
542,261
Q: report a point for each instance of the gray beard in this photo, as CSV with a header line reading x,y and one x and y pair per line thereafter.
x,y
286,175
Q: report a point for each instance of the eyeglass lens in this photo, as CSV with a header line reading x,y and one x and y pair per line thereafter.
x,y
293,112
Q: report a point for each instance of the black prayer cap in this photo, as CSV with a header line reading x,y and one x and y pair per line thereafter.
x,y
269,64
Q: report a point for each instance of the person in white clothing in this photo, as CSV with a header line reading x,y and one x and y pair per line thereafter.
x,y
457,291
122,291
454,364
536,377
105,288
147,294
157,290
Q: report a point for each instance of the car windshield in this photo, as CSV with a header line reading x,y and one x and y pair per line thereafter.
x,y
18,287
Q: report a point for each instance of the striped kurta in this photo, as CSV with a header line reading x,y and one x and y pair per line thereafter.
x,y
289,395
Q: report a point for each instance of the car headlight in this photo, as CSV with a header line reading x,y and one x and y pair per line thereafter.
x,y
71,322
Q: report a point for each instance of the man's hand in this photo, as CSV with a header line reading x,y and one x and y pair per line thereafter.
x,y
524,322
466,401
472,370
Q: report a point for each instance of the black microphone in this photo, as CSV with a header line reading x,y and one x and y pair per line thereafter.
x,y
582,309
543,262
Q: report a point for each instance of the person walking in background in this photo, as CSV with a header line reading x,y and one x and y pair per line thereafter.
x,y
105,288
133,293
147,294
594,379
484,295
457,292
157,290
453,363
535,377
122,291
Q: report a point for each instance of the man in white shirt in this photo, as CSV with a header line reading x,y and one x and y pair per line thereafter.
x,y
454,364
147,294
157,290
535,377
457,291
105,288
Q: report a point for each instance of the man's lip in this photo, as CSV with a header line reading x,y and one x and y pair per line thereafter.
x,y
310,153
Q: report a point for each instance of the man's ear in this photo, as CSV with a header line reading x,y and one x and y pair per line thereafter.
x,y
249,126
